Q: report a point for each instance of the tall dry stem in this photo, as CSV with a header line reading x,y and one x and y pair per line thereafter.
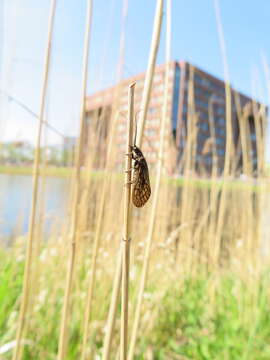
x,y
153,215
229,143
150,71
28,261
126,228
75,211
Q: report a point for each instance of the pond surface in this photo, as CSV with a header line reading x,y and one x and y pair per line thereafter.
x,y
15,202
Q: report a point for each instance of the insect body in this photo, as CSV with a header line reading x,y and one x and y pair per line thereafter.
x,y
141,185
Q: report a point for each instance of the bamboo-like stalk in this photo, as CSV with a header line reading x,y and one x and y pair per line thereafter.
x,y
214,186
39,231
150,71
229,144
96,244
126,228
29,252
188,192
113,307
153,215
213,137
75,214
242,120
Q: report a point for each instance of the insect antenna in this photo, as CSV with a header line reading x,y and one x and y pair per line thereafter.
x,y
136,126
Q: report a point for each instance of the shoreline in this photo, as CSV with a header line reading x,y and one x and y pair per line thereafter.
x,y
65,172
28,170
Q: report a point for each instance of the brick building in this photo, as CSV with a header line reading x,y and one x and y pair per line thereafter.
x,y
195,97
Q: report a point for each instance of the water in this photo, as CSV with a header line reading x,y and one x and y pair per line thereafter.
x,y
15,202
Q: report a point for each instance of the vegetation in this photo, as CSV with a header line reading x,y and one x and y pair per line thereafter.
x,y
205,316
27,170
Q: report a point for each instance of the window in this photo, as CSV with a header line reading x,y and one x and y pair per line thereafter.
x,y
152,110
122,126
124,107
205,82
203,115
202,92
202,103
159,88
221,121
157,77
220,131
253,137
153,122
208,160
150,132
220,141
220,110
201,138
155,100
121,146
198,79
175,99
203,126
220,152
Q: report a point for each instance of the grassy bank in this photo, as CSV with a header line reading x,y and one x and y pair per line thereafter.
x,y
207,183
27,170
200,316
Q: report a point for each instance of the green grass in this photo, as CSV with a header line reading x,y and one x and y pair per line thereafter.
x,y
234,326
191,319
28,170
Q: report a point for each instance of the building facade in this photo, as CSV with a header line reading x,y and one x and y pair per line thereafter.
x,y
196,131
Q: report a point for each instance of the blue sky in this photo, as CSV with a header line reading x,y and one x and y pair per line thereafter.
x,y
195,38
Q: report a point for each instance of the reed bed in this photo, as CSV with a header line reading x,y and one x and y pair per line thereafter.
x,y
183,267
178,275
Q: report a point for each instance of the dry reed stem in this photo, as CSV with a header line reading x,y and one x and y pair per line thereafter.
x,y
214,185
113,307
150,71
126,228
38,234
229,145
122,41
28,261
98,230
243,136
153,214
75,214
187,190
211,120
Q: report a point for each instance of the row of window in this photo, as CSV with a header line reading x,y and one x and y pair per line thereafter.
x,y
201,103
208,83
149,154
202,92
204,126
149,132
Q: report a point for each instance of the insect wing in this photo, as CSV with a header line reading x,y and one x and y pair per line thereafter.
x,y
141,184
